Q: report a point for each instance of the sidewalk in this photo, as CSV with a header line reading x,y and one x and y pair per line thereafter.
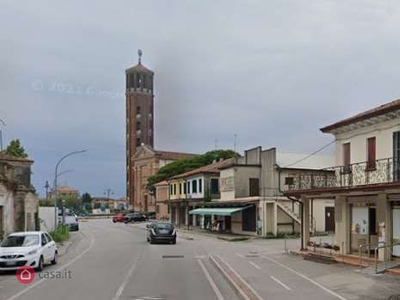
x,y
222,236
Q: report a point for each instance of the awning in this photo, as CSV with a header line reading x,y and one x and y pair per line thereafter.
x,y
218,211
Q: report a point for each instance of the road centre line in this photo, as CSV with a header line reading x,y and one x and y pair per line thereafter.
x,y
128,275
211,281
281,283
305,277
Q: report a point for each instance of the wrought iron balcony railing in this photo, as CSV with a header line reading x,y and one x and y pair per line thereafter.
x,y
364,173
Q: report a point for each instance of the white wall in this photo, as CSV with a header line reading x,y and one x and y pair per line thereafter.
x,y
227,184
198,194
46,218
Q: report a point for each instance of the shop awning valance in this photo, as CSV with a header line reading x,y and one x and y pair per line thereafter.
x,y
217,211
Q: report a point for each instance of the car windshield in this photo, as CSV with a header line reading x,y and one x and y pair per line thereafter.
x,y
21,241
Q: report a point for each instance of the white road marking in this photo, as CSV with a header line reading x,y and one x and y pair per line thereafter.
x,y
255,265
211,281
240,255
306,278
241,278
57,270
281,283
123,284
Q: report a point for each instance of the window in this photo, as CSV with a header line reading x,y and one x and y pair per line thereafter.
x,y
138,125
138,110
180,189
170,190
371,153
194,186
214,186
174,189
138,143
254,187
346,158
200,185
158,209
168,209
184,187
188,187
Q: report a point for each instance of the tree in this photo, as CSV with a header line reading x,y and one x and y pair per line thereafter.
x,y
188,164
15,149
86,198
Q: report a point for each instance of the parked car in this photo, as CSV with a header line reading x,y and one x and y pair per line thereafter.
x,y
31,248
161,232
72,223
134,217
119,217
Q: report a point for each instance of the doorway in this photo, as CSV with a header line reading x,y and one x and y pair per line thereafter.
x,y
363,227
329,219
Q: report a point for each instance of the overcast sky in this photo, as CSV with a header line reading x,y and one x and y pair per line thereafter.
x,y
272,72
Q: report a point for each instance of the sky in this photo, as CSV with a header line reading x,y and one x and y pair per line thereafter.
x,y
271,72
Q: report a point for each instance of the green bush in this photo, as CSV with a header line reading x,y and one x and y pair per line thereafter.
x,y
61,233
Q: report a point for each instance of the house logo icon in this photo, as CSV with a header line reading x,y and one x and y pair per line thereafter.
x,y
25,275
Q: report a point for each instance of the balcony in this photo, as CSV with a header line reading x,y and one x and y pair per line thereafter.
x,y
382,171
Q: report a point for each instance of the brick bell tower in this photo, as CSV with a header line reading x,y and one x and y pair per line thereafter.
x,y
139,116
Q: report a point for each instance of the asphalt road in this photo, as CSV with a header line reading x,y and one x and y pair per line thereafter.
x,y
114,261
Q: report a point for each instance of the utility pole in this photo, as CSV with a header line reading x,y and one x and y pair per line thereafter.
x,y
1,135
108,192
47,187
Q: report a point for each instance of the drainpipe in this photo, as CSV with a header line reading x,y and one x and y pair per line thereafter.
x,y
294,200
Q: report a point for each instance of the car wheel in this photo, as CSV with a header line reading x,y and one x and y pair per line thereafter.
x,y
114,221
40,265
54,261
174,242
151,241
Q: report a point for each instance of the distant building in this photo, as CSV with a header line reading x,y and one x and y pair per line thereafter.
x,y
65,191
146,163
110,203
18,201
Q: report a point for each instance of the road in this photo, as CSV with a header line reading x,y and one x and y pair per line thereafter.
x,y
114,262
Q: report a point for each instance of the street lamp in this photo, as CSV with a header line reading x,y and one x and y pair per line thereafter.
x,y
55,181
1,135
108,192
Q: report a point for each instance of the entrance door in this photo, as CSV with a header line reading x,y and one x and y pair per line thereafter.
x,y
228,223
329,219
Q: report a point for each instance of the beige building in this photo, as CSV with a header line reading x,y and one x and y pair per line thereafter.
x,y
162,195
146,163
364,183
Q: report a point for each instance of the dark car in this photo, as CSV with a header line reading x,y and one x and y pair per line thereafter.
x,y
134,217
161,232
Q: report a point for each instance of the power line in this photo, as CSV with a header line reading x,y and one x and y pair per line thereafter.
x,y
315,152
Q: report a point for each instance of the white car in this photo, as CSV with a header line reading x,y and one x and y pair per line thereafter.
x,y
30,248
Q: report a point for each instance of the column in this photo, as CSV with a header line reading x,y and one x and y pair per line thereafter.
x,y
306,223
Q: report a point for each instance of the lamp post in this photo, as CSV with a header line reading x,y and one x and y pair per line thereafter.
x,y
55,182
108,192
1,135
